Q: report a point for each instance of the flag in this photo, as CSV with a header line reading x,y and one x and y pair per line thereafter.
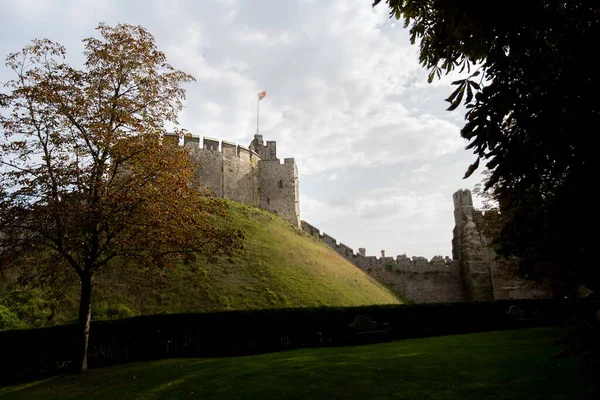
x,y
261,95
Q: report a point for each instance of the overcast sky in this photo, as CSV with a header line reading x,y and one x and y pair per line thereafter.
x,y
377,154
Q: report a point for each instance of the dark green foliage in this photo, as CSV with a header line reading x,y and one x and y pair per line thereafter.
x,y
38,352
115,311
584,343
33,306
532,110
9,319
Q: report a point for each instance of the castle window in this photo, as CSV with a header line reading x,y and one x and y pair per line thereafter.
x,y
268,200
280,184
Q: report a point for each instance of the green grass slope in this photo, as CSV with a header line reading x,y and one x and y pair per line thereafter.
x,y
491,365
280,267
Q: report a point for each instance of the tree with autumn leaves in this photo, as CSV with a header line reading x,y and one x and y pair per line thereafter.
x,y
88,177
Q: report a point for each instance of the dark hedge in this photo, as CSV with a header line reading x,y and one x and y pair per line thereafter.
x,y
33,353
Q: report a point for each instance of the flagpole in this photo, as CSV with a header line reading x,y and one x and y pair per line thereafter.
x,y
259,97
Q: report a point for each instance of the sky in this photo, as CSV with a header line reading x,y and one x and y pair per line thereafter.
x,y
378,155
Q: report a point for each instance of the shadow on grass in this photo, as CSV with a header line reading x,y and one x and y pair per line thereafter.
x,y
492,365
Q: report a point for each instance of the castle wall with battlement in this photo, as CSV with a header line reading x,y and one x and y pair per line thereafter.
x,y
417,279
229,170
474,273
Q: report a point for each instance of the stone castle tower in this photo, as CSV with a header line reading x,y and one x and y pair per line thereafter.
x,y
469,248
251,175
278,183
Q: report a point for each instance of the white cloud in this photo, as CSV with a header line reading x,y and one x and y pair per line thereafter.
x,y
421,169
377,154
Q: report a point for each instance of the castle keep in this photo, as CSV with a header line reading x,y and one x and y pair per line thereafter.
x,y
254,175
250,175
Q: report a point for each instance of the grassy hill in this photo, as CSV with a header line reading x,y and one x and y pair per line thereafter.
x,y
280,267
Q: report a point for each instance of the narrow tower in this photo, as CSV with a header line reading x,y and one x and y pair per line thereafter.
x,y
278,183
469,249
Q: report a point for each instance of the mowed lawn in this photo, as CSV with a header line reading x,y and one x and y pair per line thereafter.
x,y
494,365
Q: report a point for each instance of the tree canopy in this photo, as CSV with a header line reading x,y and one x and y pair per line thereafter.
x,y
530,91
88,174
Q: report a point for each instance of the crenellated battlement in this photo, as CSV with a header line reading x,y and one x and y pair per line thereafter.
x,y
416,279
226,148
462,198
405,263
285,161
401,262
266,152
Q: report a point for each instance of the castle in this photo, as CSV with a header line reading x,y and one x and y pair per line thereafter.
x,y
250,175
254,175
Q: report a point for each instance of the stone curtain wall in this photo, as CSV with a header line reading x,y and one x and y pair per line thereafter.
x,y
475,273
229,170
417,279
239,175
509,284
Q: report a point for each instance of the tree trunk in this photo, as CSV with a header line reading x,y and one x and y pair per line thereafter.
x,y
85,318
